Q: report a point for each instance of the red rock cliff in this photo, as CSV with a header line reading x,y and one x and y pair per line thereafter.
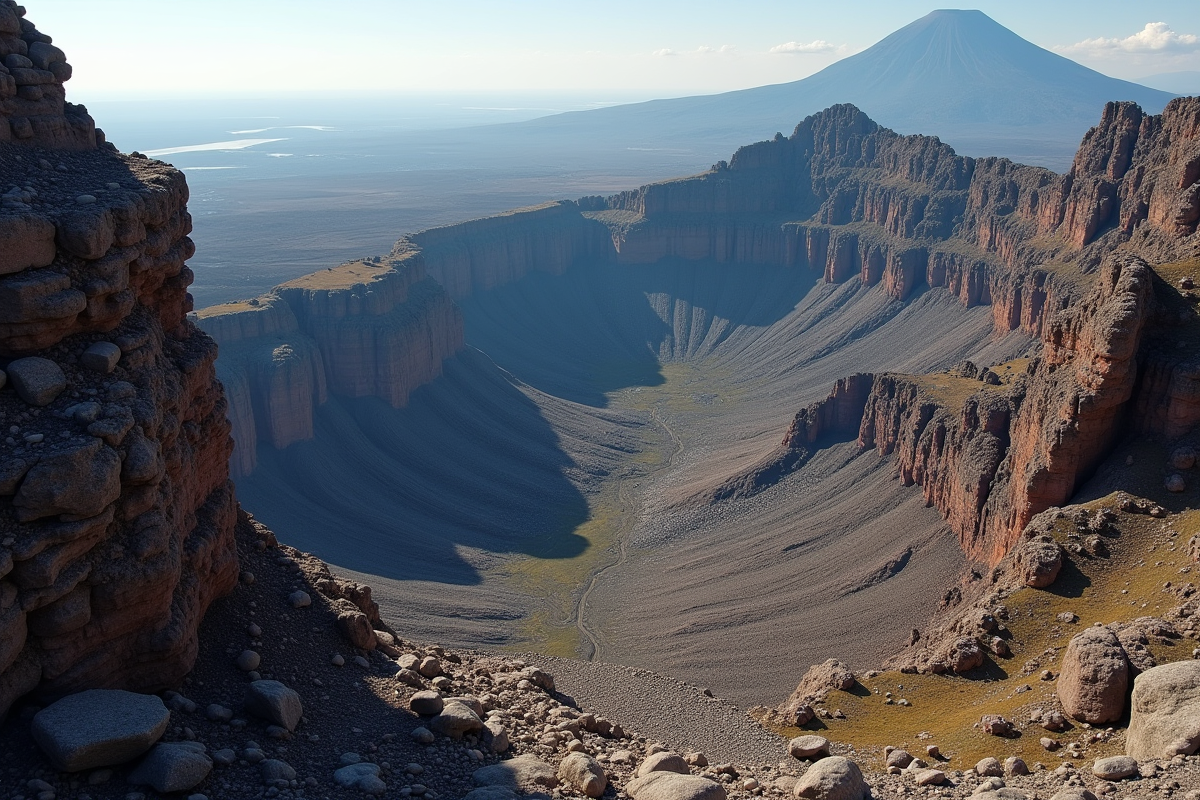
x,y
116,509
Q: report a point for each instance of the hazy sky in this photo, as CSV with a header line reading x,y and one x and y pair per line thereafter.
x,y
627,48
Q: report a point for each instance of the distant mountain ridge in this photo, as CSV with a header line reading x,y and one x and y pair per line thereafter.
x,y
956,74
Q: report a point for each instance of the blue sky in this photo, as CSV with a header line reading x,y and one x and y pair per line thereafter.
x,y
623,48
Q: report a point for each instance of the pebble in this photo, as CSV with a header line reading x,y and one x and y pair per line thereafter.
x,y
254,630
300,599
248,661
337,660
422,735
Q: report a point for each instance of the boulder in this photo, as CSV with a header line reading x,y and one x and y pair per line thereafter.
x,y
99,728
1114,768
832,675
989,768
808,747
521,774
363,776
101,357
584,773
1164,717
930,777
455,720
274,702
173,767
494,736
426,703
1073,793
38,381
1094,677
490,793
899,758
673,786
1038,562
833,778
663,762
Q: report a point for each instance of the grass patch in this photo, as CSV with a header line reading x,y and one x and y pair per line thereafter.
x,y
1145,555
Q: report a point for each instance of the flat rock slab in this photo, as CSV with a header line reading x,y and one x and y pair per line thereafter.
x,y
99,728
173,767
274,702
523,774
673,786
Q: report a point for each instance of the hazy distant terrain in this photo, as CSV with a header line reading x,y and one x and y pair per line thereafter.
x,y
284,187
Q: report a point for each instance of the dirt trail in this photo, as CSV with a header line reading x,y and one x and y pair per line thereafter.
x,y
591,641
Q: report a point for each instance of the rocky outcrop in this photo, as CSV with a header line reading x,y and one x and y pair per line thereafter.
x,y
116,510
33,107
377,327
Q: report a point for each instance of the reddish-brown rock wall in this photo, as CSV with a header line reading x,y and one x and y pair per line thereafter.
x,y
33,107
116,509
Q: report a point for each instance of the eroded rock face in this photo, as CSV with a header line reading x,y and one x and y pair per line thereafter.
x,y
33,107
377,327
116,510
1094,677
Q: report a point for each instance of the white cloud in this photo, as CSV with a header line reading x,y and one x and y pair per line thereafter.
x,y
804,48
666,51
1156,37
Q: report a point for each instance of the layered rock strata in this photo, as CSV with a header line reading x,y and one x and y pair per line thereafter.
x,y
33,107
116,509
377,327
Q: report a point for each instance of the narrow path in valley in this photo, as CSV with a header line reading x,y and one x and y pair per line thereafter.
x,y
628,518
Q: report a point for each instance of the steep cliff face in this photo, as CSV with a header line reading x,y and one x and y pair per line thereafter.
x,y
116,510
481,254
853,200
992,449
378,327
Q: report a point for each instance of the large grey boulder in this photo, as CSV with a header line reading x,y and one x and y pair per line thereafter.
x,y
173,767
584,773
1094,677
833,778
521,774
1164,717
38,381
673,786
99,728
274,702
